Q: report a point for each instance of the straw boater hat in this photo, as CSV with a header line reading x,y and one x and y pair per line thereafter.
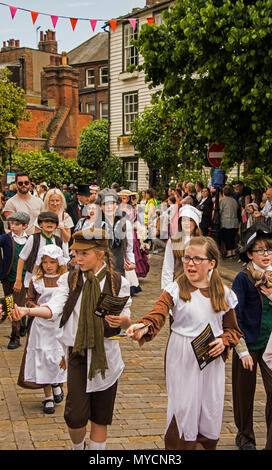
x,y
89,238
125,192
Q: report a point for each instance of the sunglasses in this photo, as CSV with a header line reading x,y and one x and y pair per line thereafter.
x,y
23,183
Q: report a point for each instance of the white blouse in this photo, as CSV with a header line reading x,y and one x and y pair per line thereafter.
x,y
67,333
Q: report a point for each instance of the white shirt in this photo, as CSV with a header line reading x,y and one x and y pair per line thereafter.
x,y
67,333
20,240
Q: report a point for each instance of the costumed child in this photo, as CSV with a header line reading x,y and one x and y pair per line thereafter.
x,y
253,287
94,363
43,353
196,299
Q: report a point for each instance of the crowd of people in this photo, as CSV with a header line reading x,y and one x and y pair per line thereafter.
x,y
72,259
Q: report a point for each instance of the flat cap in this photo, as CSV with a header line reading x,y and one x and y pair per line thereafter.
x,y
22,217
89,238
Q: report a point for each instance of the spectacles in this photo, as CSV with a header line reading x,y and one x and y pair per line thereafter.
x,y
262,252
21,183
196,259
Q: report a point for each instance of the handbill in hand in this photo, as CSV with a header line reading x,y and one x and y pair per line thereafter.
x,y
201,347
7,304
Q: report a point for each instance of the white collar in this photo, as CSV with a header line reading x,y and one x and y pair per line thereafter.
x,y
258,268
24,235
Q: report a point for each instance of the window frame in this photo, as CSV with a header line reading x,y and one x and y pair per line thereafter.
x,y
124,95
131,183
100,75
88,85
129,47
101,105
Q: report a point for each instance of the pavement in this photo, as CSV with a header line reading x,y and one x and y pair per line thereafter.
x,y
141,402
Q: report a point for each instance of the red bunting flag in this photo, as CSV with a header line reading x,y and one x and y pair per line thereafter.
x,y
93,24
113,24
150,20
73,22
34,15
54,20
133,23
12,11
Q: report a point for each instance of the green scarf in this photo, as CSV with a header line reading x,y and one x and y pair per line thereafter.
x,y
49,240
90,330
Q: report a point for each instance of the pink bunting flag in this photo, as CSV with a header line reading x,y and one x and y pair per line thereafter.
x,y
133,23
54,20
93,24
34,15
150,20
12,11
73,22
113,24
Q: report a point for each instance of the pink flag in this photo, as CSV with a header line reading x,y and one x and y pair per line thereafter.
x,y
133,23
34,15
113,24
12,11
73,22
54,20
150,20
93,24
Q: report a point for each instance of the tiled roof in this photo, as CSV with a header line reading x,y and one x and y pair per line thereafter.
x,y
93,50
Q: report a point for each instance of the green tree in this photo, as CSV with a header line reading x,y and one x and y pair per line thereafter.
x,y
12,108
214,60
52,168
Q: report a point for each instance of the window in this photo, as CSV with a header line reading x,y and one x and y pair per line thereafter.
x,y
103,75
130,107
130,53
90,108
80,106
103,110
90,77
131,172
158,18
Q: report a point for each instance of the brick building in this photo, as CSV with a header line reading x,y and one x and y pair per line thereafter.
x,y
52,90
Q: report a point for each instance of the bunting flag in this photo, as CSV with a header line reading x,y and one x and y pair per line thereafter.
x,y
150,20
133,23
12,11
34,15
73,22
113,24
54,20
93,24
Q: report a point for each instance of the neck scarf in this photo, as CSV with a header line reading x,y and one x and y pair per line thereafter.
x,y
260,277
90,331
48,240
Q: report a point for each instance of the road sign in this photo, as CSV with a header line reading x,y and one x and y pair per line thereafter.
x,y
215,154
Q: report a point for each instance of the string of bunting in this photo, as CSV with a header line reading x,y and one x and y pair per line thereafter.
x,y
73,21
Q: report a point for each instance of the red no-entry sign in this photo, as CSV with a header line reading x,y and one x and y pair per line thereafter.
x,y
215,154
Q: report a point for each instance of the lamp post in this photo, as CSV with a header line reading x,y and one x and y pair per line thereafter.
x,y
10,141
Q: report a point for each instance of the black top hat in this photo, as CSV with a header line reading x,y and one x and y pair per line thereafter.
x,y
83,189
257,230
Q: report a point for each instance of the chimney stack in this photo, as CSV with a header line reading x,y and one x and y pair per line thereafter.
x,y
48,42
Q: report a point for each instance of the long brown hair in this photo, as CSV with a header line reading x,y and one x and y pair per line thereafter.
x,y
177,244
39,272
216,286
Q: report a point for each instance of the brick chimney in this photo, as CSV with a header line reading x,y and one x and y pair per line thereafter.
x,y
149,3
48,42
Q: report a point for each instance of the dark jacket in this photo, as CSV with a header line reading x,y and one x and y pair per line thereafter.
x,y
206,208
8,249
73,211
250,306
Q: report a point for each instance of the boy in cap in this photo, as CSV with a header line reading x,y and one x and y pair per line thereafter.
x,y
48,222
12,244
253,287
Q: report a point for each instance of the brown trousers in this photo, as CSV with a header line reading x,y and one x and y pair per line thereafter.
x,y
19,299
174,442
243,391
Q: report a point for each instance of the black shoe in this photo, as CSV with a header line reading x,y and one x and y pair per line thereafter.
x,y
22,331
249,445
57,398
13,344
49,410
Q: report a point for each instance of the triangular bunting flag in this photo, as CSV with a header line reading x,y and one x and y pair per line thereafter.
x,y
113,24
73,22
34,15
54,20
93,24
12,11
150,20
133,23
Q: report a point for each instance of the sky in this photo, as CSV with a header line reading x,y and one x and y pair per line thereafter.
x,y
22,28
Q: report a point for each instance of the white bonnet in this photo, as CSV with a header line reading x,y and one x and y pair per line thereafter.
x,y
53,251
191,212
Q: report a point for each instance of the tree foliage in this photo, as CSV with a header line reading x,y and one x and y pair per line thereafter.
x,y
52,168
214,60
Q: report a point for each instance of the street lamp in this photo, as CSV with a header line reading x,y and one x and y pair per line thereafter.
x,y
10,141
